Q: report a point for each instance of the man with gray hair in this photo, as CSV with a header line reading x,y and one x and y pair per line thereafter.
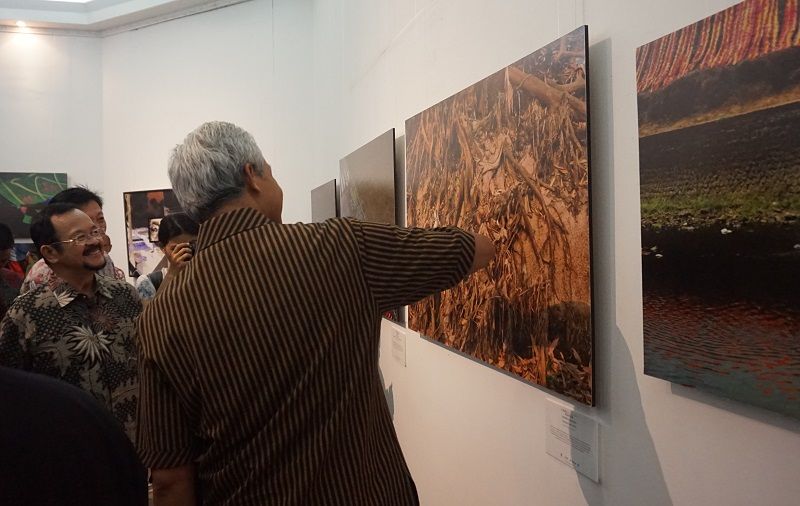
x,y
259,361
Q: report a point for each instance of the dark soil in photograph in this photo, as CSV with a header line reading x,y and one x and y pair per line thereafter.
x,y
721,257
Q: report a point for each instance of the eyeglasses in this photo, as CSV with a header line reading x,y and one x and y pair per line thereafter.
x,y
82,239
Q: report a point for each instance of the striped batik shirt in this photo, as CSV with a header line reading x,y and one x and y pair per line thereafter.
x,y
259,362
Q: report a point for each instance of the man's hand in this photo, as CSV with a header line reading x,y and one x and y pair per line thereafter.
x,y
484,252
174,487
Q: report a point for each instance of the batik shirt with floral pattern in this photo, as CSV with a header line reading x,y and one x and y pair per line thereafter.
x,y
85,341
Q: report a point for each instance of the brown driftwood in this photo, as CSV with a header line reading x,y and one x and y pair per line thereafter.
x,y
576,85
546,94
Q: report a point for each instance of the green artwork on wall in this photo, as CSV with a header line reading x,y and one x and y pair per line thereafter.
x,y
23,194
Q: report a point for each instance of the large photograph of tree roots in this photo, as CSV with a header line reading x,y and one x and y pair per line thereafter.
x,y
509,158
719,116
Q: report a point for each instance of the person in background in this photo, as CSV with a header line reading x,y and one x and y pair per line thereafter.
x,y
58,446
91,204
259,361
79,326
11,273
7,260
176,238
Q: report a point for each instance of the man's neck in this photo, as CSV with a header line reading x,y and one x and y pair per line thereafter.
x,y
82,281
232,205
241,202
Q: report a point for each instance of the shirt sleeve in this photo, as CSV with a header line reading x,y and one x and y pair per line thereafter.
x,y
27,286
405,265
164,436
12,352
145,288
39,274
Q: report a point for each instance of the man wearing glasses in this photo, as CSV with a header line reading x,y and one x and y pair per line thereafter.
x,y
79,326
91,204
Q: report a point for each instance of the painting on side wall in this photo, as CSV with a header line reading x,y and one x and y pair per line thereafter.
x,y
23,194
719,116
143,213
324,202
367,188
508,158
367,181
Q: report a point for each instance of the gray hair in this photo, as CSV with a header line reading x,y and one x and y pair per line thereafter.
x,y
207,170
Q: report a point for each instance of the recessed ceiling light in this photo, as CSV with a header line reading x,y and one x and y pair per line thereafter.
x,y
21,24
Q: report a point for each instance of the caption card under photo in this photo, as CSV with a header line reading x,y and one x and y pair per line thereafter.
x,y
572,438
398,345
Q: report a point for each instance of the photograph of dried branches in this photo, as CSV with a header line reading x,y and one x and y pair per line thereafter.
x,y
508,157
719,116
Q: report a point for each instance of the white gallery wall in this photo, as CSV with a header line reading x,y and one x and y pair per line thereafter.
x,y
313,81
50,106
474,436
247,64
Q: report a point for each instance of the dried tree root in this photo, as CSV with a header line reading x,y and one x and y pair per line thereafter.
x,y
548,95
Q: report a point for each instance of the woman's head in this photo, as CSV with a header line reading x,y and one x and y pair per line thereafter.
x,y
176,228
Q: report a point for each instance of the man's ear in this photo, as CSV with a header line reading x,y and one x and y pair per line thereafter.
x,y
49,253
251,180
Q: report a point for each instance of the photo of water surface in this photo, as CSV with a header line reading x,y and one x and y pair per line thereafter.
x,y
719,116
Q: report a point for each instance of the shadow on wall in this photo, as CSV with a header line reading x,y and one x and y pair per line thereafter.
x,y
388,392
627,452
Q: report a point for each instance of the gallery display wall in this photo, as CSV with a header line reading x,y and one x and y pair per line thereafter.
x,y
471,434
315,80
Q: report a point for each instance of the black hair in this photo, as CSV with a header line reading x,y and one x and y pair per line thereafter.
x,y
173,225
6,237
42,230
78,195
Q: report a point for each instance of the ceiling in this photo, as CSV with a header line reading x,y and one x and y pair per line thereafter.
x,y
97,17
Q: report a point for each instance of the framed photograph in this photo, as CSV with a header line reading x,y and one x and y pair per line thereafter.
x,y
324,202
143,213
153,229
719,169
508,157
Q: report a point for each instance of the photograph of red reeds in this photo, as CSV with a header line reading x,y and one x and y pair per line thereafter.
x,y
719,116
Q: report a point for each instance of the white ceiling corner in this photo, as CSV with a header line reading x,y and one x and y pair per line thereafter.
x,y
98,18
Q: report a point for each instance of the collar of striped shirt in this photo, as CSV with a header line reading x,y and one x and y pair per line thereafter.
x,y
228,224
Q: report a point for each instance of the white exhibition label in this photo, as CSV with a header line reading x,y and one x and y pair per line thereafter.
x,y
572,439
399,346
